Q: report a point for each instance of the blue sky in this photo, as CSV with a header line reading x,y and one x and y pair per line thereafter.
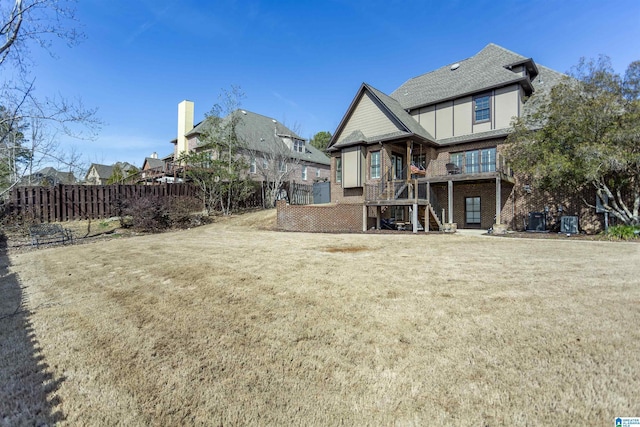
x,y
296,61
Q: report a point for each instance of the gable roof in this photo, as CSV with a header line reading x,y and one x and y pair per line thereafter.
x,y
153,162
258,132
103,171
50,174
489,68
407,125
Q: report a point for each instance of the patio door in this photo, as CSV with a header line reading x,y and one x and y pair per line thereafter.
x,y
397,163
472,212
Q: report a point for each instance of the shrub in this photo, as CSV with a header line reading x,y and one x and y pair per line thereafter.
x,y
155,214
624,232
181,211
148,214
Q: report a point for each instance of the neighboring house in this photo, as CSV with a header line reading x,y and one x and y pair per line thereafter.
x,y
48,177
99,174
263,139
158,170
432,149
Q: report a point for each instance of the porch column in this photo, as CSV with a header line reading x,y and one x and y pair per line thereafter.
x,y
408,161
498,199
378,212
426,218
364,217
426,208
414,220
450,201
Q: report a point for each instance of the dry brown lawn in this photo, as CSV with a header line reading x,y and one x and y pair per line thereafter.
x,y
232,323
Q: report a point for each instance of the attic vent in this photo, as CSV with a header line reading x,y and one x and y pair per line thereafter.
x,y
455,66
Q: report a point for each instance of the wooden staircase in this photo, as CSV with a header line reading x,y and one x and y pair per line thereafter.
x,y
434,222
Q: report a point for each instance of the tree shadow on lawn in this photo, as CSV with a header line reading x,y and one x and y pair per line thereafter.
x,y
27,388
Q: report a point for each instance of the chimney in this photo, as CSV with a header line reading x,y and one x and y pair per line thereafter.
x,y
185,124
154,155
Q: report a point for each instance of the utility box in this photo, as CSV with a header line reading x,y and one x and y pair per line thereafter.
x,y
536,222
321,192
569,224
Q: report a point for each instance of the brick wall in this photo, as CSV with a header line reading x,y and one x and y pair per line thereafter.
x,y
517,203
326,218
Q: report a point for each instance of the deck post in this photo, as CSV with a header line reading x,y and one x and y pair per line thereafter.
x,y
414,220
408,166
364,217
378,212
498,201
450,200
426,217
426,208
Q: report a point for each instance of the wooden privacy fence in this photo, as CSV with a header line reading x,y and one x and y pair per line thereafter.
x,y
299,194
70,202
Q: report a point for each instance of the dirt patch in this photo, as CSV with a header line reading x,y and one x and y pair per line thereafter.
x,y
347,249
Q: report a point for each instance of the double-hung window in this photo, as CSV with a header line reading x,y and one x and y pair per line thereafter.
x,y
252,165
482,108
338,169
375,165
298,146
304,173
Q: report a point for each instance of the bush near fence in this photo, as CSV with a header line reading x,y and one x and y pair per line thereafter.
x,y
73,202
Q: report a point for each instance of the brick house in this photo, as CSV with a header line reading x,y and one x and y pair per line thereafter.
x,y
264,140
430,153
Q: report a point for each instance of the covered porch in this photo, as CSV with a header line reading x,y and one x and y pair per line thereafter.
x,y
431,192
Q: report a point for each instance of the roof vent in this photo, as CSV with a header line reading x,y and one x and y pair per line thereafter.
x,y
243,112
455,66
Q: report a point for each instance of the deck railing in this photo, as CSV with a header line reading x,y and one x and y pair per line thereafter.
x,y
444,167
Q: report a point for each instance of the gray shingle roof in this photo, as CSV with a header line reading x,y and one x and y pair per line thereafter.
x,y
257,133
103,171
50,175
404,119
153,162
482,71
489,68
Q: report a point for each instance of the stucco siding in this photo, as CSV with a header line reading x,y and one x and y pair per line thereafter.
x,y
444,120
426,116
506,106
462,116
353,165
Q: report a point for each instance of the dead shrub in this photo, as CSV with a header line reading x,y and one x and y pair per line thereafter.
x,y
155,214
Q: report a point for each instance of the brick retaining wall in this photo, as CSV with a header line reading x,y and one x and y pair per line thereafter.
x,y
326,218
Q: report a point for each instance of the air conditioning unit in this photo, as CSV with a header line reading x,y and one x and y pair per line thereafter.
x,y
569,224
536,222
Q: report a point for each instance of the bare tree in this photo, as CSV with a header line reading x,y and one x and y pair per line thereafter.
x,y
35,22
275,164
40,122
218,167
